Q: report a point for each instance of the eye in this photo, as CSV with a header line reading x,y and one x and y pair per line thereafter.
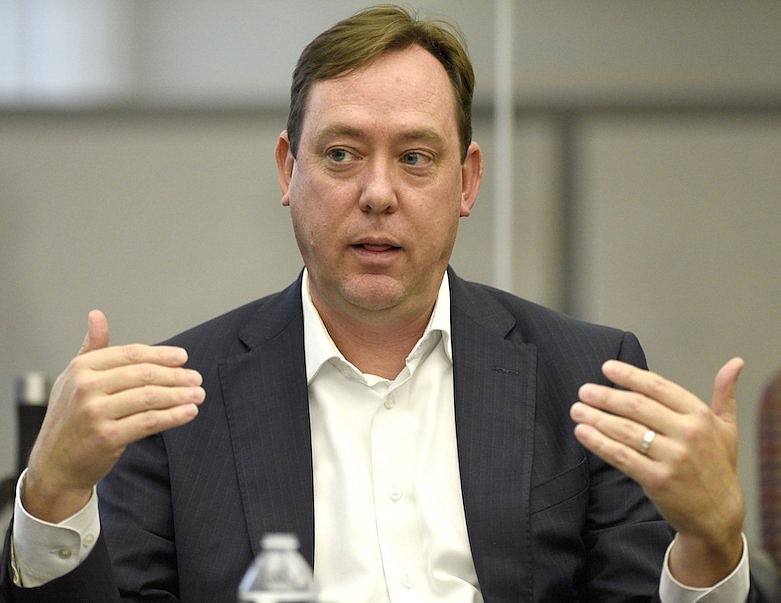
x,y
415,158
339,155
411,158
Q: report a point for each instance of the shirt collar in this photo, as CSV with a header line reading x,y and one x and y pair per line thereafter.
x,y
319,348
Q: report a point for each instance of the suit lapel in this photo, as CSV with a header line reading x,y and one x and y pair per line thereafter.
x,y
266,403
494,389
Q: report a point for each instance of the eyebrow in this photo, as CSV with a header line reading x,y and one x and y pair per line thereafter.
x,y
336,130
427,134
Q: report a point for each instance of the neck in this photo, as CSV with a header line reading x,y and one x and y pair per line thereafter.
x,y
378,349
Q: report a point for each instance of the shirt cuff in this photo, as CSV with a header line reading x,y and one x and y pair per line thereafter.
x,y
734,587
42,551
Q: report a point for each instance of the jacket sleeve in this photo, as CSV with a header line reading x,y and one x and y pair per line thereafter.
x,y
92,580
134,558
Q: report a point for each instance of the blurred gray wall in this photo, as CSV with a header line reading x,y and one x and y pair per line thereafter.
x,y
137,174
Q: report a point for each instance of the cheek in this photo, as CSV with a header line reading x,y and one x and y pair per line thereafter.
x,y
314,231
441,213
445,227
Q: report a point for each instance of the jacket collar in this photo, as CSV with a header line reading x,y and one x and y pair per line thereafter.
x,y
494,377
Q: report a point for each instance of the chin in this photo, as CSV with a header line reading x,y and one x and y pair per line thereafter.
x,y
374,292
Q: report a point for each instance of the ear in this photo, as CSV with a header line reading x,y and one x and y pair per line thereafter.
x,y
471,177
285,165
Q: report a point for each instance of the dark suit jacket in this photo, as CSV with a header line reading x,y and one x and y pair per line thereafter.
x,y
183,512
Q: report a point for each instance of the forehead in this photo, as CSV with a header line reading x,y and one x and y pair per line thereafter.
x,y
401,88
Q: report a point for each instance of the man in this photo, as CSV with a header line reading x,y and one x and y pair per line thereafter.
x,y
420,441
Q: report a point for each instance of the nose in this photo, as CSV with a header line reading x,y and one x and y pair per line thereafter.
x,y
378,188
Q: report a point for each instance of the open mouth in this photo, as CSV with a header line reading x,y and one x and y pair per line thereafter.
x,y
375,247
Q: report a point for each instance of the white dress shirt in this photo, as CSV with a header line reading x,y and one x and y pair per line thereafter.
x,y
389,516
384,452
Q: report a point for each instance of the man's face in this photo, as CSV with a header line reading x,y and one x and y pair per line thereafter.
x,y
378,186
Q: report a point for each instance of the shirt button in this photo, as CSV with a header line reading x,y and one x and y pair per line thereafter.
x,y
88,540
407,581
395,493
390,402
64,553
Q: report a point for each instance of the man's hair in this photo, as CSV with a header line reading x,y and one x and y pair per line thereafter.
x,y
362,38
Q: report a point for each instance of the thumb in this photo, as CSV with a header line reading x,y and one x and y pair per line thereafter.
x,y
724,403
97,332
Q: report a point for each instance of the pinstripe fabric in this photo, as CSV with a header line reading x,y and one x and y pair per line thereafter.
x,y
547,521
183,512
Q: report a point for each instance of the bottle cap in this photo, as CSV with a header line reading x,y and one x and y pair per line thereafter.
x,y
280,540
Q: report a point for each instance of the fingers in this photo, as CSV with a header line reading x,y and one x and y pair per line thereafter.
x,y
650,385
655,402
131,354
725,384
151,398
105,399
611,431
114,379
120,394
143,424
622,454
625,411
97,336
648,401
95,412
613,422
688,465
116,382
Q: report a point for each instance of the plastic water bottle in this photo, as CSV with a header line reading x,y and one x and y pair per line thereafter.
x,y
279,574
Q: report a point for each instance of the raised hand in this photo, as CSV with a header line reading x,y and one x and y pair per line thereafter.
x,y
105,399
681,451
